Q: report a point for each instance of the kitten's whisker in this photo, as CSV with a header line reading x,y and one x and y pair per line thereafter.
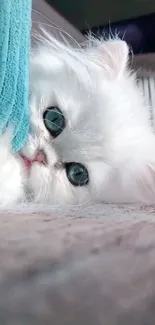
x,y
57,27
67,186
40,191
47,190
38,195
50,21
51,26
42,15
85,202
83,150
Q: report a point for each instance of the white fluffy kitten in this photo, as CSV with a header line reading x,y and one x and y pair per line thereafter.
x,y
91,137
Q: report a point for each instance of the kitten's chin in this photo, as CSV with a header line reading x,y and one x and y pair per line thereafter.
x,y
39,180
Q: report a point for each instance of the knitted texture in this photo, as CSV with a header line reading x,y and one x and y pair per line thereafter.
x,y
15,25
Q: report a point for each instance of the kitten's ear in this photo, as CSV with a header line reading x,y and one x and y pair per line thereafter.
x,y
115,56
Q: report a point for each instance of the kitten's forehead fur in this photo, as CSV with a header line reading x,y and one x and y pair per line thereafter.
x,y
76,81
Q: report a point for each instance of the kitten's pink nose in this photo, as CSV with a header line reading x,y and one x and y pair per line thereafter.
x,y
40,157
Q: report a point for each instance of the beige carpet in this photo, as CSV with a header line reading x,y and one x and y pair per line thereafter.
x,y
92,265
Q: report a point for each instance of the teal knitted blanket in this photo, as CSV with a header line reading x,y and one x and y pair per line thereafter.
x,y
15,25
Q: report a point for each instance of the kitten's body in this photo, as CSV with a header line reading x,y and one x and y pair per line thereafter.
x,y
108,130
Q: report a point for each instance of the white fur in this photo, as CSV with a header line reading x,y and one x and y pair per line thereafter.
x,y
108,128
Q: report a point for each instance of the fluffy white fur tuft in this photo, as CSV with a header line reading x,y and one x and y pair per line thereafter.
x,y
108,128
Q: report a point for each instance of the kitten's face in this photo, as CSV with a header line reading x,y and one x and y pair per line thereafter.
x,y
67,126
73,106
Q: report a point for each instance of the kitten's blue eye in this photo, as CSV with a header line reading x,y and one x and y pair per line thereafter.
x,y
77,174
54,120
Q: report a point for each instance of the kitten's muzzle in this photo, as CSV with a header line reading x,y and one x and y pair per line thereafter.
x,y
40,158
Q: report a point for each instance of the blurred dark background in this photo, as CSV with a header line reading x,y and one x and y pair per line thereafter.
x,y
133,20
